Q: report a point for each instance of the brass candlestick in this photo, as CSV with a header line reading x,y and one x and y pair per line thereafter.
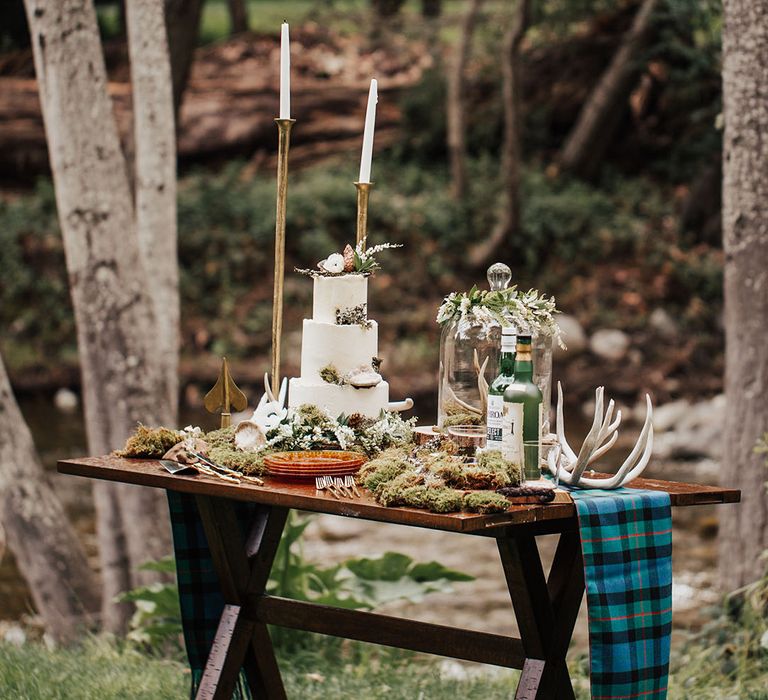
x,y
284,127
363,193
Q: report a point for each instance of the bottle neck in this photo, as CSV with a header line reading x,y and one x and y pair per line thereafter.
x,y
507,363
523,367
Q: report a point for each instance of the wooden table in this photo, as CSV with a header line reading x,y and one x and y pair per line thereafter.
x,y
545,607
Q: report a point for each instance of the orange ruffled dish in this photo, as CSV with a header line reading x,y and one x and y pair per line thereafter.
x,y
311,464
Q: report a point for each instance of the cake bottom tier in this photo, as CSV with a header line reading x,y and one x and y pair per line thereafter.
x,y
338,399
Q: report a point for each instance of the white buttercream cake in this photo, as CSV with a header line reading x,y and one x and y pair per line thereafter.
x,y
339,341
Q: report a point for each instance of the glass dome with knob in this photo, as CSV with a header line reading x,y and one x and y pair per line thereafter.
x,y
470,346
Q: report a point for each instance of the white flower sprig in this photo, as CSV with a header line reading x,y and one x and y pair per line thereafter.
x,y
530,312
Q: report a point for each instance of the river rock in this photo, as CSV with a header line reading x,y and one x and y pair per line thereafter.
x,y
65,400
609,344
573,336
691,431
663,323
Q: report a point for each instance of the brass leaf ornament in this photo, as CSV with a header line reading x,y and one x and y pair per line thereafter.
x,y
224,396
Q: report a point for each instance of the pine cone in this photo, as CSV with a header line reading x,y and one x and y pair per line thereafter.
x,y
349,258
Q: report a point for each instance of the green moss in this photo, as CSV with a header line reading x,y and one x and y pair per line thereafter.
x,y
251,463
485,502
221,437
492,459
331,375
477,477
462,419
222,450
385,467
403,492
442,500
150,443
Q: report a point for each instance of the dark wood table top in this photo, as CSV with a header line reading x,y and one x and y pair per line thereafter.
x,y
304,496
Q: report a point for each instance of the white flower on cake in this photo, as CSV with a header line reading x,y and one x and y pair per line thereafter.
x,y
334,263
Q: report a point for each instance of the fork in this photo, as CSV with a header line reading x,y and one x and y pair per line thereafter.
x,y
349,482
323,483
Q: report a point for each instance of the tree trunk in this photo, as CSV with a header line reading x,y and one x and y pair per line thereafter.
x,y
238,17
601,113
387,8
431,8
46,547
744,528
499,243
456,103
123,380
182,19
155,178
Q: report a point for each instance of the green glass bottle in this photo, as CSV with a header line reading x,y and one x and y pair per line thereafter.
x,y
521,437
495,412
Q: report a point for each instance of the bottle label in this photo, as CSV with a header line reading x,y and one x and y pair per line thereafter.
x,y
512,433
494,421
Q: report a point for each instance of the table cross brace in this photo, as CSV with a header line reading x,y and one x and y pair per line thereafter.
x,y
546,611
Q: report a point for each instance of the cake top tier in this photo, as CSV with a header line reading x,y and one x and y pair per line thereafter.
x,y
342,294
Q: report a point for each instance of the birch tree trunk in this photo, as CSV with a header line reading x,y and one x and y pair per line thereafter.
x,y
46,547
499,242
744,528
456,102
124,381
155,177
600,114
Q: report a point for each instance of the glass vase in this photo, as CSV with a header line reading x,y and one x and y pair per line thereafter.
x,y
542,374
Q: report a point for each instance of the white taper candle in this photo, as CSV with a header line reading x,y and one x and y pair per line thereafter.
x,y
285,73
370,121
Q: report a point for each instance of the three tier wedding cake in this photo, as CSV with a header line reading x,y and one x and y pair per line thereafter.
x,y
340,344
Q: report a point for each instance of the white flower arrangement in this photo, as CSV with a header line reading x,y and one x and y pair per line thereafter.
x,y
353,261
530,312
309,427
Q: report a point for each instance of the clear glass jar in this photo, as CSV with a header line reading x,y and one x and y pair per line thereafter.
x,y
462,394
542,374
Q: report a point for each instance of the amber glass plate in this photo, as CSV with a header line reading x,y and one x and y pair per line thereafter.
x,y
309,464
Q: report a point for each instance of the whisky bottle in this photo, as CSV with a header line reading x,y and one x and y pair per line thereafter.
x,y
521,440
495,412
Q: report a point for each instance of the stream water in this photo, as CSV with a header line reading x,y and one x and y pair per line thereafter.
x,y
482,604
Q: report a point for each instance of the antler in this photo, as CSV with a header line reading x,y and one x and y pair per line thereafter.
x,y
569,468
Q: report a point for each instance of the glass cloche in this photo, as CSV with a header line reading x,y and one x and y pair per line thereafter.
x,y
470,345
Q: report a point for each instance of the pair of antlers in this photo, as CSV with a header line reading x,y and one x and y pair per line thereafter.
x,y
569,467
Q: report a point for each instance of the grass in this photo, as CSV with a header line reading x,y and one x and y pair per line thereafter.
x,y
103,670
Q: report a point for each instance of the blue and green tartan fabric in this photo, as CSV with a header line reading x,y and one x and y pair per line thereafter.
x,y
199,591
626,539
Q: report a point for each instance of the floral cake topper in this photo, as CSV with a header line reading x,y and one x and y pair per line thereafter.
x,y
352,261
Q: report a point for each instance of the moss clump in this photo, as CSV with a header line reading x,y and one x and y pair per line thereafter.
x,y
492,459
331,375
477,477
251,463
435,499
150,443
222,450
385,467
462,419
485,502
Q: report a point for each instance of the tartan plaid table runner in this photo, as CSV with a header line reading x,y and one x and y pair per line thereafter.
x,y
199,591
626,539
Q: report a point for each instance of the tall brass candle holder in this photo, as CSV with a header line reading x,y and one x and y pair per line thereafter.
x,y
284,127
363,193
